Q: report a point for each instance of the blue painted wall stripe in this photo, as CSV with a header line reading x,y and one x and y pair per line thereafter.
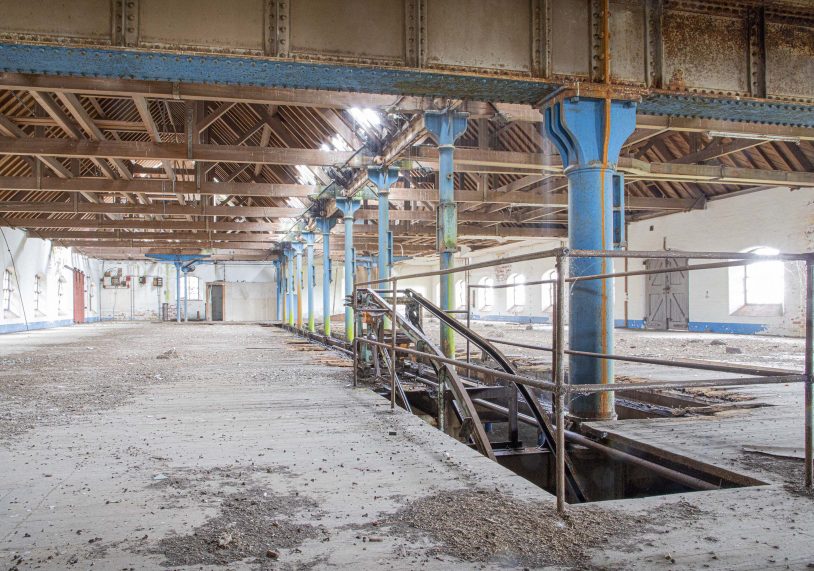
x,y
706,327
35,325
694,326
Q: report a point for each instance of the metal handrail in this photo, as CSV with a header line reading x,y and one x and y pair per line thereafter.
x,y
558,386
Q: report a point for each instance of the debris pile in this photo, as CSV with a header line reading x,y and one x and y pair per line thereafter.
x,y
251,524
171,354
485,525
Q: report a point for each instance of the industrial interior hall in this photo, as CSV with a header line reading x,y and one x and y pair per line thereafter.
x,y
407,284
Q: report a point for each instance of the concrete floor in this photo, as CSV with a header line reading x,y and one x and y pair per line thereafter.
x,y
100,439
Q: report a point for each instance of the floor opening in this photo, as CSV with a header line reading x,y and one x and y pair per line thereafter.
x,y
640,472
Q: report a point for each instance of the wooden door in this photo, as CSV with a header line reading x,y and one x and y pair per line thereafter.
x,y
667,295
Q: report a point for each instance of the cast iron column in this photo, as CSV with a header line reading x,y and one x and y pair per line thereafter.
x,y
446,126
589,134
279,282
348,206
178,292
324,225
383,179
186,294
309,277
298,248
289,266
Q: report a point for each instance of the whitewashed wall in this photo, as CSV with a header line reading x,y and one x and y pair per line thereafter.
x,y
144,301
778,218
29,257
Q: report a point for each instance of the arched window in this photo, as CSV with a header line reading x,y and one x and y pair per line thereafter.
x,y
193,288
548,290
39,294
460,294
91,296
62,297
758,288
516,296
485,297
8,292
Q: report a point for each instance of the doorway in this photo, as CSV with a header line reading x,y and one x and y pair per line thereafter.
x,y
668,296
216,301
78,297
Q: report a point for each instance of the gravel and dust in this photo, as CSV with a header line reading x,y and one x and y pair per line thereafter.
x,y
789,471
50,388
251,524
479,525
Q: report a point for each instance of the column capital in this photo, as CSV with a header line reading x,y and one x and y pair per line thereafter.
x,y
589,132
309,238
347,206
446,125
324,225
383,177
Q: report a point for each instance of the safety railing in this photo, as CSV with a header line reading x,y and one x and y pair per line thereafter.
x,y
558,386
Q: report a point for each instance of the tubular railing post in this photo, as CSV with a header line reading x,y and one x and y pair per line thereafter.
x,y
393,348
809,373
468,314
559,379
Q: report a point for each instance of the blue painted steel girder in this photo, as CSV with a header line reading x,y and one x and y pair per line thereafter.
x,y
155,65
589,134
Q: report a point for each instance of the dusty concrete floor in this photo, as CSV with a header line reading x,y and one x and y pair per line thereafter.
x,y
115,459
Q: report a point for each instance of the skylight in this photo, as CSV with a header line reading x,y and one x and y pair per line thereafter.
x,y
305,175
365,117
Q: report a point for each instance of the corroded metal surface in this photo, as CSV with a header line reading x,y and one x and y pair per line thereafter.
x,y
514,51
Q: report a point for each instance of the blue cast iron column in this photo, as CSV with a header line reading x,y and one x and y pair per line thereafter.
x,y
309,277
348,206
298,248
278,278
324,225
186,294
178,292
589,134
446,126
383,179
289,266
